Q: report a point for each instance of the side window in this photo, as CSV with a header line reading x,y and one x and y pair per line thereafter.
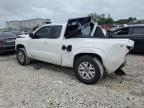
x,y
55,32
99,32
50,32
1,34
138,30
122,31
43,32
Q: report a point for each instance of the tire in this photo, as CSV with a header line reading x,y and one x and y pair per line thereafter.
x,y
22,57
88,69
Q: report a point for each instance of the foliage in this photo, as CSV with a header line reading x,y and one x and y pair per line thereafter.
x,y
126,21
103,19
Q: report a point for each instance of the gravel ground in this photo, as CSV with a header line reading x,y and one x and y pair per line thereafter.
x,y
42,85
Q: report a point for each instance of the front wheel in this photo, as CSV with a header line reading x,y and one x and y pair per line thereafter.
x,y
22,57
88,69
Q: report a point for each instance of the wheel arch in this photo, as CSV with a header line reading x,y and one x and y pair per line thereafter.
x,y
89,54
19,46
89,51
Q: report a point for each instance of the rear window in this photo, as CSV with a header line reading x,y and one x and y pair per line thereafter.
x,y
138,30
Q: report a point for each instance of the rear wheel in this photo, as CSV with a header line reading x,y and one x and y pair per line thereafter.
x,y
88,69
22,57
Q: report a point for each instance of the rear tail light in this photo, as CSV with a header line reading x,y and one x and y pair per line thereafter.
x,y
1,43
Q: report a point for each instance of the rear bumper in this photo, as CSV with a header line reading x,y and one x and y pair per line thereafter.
x,y
119,63
7,49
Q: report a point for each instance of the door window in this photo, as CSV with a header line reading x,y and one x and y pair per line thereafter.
x,y
122,31
55,32
50,32
138,31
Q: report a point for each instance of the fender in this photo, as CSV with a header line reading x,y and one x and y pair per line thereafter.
x,y
70,61
23,42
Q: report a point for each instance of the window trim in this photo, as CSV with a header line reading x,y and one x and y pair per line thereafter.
x,y
48,26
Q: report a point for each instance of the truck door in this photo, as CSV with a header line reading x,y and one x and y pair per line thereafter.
x,y
36,45
46,45
53,45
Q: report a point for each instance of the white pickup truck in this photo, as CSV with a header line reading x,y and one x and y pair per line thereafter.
x,y
77,45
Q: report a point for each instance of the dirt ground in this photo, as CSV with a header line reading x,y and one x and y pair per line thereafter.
x,y
42,85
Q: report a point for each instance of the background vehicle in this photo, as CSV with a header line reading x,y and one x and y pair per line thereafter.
x,y
133,32
76,45
7,42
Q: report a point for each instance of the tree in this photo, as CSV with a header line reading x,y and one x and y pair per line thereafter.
x,y
101,19
130,20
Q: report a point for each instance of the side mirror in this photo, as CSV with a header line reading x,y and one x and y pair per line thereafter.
x,y
31,35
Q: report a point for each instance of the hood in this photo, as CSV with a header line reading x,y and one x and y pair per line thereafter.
x,y
7,37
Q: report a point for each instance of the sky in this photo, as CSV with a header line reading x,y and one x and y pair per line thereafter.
x,y
61,10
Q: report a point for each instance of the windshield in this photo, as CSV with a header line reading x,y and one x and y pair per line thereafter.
x,y
6,34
